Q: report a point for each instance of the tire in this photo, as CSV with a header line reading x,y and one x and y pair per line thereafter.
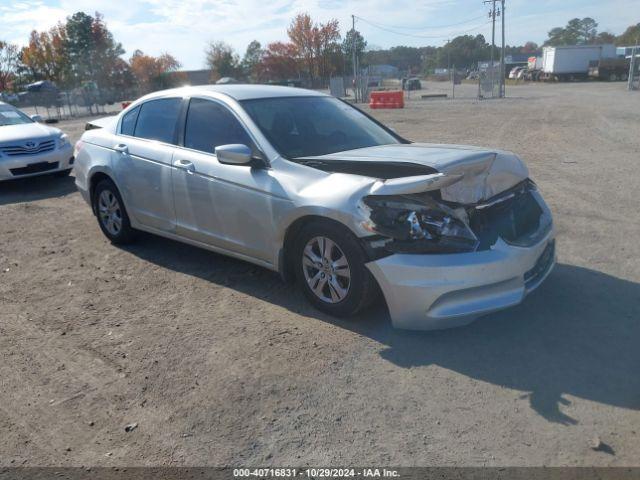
x,y
357,285
111,213
63,173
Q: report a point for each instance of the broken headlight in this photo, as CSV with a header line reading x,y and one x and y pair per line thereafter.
x,y
418,226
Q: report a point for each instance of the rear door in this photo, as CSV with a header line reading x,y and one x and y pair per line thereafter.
x,y
228,206
142,161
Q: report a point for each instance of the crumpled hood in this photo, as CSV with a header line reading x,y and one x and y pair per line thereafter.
x,y
482,173
26,131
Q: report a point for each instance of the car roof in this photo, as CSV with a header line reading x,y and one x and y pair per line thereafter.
x,y
239,91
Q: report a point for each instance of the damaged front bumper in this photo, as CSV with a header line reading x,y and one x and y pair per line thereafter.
x,y
429,292
516,254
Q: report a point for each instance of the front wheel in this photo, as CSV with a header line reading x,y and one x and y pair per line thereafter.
x,y
111,213
330,268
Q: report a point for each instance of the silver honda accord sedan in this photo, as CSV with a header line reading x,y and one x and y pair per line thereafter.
x,y
311,187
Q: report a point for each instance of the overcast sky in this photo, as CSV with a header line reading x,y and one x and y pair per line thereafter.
x,y
183,27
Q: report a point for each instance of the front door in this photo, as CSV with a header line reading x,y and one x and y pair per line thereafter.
x,y
227,206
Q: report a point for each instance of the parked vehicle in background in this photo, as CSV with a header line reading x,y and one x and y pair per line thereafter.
x,y
534,68
9,97
611,69
309,186
412,83
572,62
28,148
515,71
43,93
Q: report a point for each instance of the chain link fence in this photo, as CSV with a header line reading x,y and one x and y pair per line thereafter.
x,y
489,82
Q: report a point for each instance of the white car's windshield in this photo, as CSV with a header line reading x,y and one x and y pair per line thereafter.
x,y
311,126
12,116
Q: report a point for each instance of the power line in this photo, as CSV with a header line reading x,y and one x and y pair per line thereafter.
x,y
421,36
425,27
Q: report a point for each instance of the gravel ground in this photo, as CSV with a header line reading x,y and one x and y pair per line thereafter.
x,y
219,363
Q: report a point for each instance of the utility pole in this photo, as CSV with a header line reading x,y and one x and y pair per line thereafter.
x,y
502,72
353,48
492,14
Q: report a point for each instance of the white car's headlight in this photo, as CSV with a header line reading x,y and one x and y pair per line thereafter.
x,y
63,140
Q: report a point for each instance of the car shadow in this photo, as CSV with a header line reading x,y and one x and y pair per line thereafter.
x,y
578,334
35,188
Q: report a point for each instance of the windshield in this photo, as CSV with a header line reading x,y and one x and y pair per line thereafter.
x,y
312,126
12,116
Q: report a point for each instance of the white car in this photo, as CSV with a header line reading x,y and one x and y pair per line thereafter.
x,y
28,148
513,74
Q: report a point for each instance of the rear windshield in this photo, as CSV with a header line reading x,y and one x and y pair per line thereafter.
x,y
12,116
313,126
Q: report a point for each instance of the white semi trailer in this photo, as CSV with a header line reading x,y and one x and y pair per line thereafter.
x,y
572,62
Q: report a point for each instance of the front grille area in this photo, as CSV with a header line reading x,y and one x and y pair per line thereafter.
x,y
34,168
19,150
514,215
533,276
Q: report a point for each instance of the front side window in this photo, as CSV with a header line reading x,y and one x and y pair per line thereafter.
x,y
210,125
312,126
128,124
157,120
12,116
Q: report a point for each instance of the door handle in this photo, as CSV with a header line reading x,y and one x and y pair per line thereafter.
x,y
186,165
121,148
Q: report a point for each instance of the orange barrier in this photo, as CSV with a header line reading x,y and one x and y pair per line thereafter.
x,y
392,99
126,104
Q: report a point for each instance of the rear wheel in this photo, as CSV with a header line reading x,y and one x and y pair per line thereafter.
x,y
111,213
330,269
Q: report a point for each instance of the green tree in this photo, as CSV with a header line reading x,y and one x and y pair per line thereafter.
x,y
251,59
348,47
604,38
631,36
91,50
222,60
406,59
464,52
576,32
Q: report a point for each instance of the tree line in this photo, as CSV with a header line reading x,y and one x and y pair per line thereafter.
x,y
82,53
315,51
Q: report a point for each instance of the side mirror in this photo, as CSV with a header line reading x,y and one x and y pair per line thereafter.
x,y
234,154
36,118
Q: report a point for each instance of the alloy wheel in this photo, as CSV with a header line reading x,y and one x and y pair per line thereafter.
x,y
326,269
110,212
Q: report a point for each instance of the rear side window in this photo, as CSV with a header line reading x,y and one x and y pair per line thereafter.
x,y
157,119
210,125
128,123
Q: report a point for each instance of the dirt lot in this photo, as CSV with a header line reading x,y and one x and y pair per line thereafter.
x,y
218,362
